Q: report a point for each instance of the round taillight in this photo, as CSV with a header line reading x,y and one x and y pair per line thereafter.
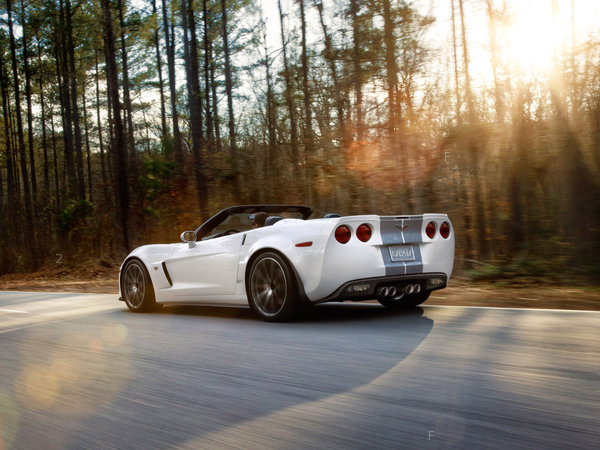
x,y
445,230
430,230
364,232
343,234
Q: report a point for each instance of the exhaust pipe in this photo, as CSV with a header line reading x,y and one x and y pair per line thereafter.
x,y
413,288
382,292
397,292
387,291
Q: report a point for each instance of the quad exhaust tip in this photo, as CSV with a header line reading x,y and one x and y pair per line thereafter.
x,y
393,291
413,288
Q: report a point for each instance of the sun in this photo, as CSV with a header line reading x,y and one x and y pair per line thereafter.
x,y
534,37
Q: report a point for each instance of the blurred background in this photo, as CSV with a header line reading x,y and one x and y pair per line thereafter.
x,y
126,122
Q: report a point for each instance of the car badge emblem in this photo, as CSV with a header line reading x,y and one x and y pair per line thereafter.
x,y
402,227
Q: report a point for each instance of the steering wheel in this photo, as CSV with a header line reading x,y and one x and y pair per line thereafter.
x,y
230,231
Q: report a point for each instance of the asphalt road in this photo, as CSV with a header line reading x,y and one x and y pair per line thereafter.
x,y
80,371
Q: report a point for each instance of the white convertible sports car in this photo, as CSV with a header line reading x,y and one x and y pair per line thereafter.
x,y
292,262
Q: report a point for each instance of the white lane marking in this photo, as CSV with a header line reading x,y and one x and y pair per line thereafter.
x,y
13,311
55,316
511,309
41,310
5,293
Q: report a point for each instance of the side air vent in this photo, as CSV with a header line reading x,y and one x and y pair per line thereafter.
x,y
164,266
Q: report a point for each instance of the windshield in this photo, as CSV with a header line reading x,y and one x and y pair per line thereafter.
x,y
243,222
238,222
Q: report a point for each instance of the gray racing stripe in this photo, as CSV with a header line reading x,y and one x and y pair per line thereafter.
x,y
397,231
401,230
415,266
392,268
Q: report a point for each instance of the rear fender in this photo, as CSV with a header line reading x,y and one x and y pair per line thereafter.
x,y
306,260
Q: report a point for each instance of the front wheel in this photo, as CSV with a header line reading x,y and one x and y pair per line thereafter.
x,y
136,287
405,301
271,288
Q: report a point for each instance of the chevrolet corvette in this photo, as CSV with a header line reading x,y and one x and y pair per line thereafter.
x,y
290,262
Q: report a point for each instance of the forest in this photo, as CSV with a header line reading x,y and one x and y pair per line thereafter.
x,y
126,122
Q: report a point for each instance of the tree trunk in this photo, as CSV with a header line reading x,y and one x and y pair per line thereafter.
x,y
1,192
357,66
474,148
46,195
308,131
55,161
65,101
119,146
391,68
329,56
289,99
100,139
210,135
75,107
229,90
28,96
271,119
195,102
163,109
468,92
215,103
111,134
20,138
133,160
494,62
178,144
10,171
455,55
87,148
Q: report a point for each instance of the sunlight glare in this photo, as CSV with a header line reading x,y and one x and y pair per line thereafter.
x,y
534,38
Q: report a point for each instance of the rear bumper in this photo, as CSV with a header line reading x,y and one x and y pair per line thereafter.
x,y
367,288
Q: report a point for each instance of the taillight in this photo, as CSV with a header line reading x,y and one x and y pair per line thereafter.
x,y
430,230
343,234
445,230
364,232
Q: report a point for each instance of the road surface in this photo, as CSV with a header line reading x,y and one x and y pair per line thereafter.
x,y
80,371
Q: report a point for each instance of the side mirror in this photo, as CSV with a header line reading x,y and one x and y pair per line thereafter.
x,y
189,237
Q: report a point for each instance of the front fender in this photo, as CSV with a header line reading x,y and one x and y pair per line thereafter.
x,y
152,257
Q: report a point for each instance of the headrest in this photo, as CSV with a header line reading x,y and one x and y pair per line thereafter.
x,y
272,219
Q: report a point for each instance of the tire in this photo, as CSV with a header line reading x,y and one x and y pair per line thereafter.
x,y
405,301
136,287
271,288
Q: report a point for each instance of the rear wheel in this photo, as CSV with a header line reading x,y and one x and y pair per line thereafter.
x,y
271,288
405,301
137,288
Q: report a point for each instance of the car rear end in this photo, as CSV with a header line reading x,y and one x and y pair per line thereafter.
x,y
385,257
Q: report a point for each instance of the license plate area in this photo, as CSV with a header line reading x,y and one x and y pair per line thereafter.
x,y
401,253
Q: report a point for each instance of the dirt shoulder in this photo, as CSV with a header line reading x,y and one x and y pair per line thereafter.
x,y
102,278
465,293
98,278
